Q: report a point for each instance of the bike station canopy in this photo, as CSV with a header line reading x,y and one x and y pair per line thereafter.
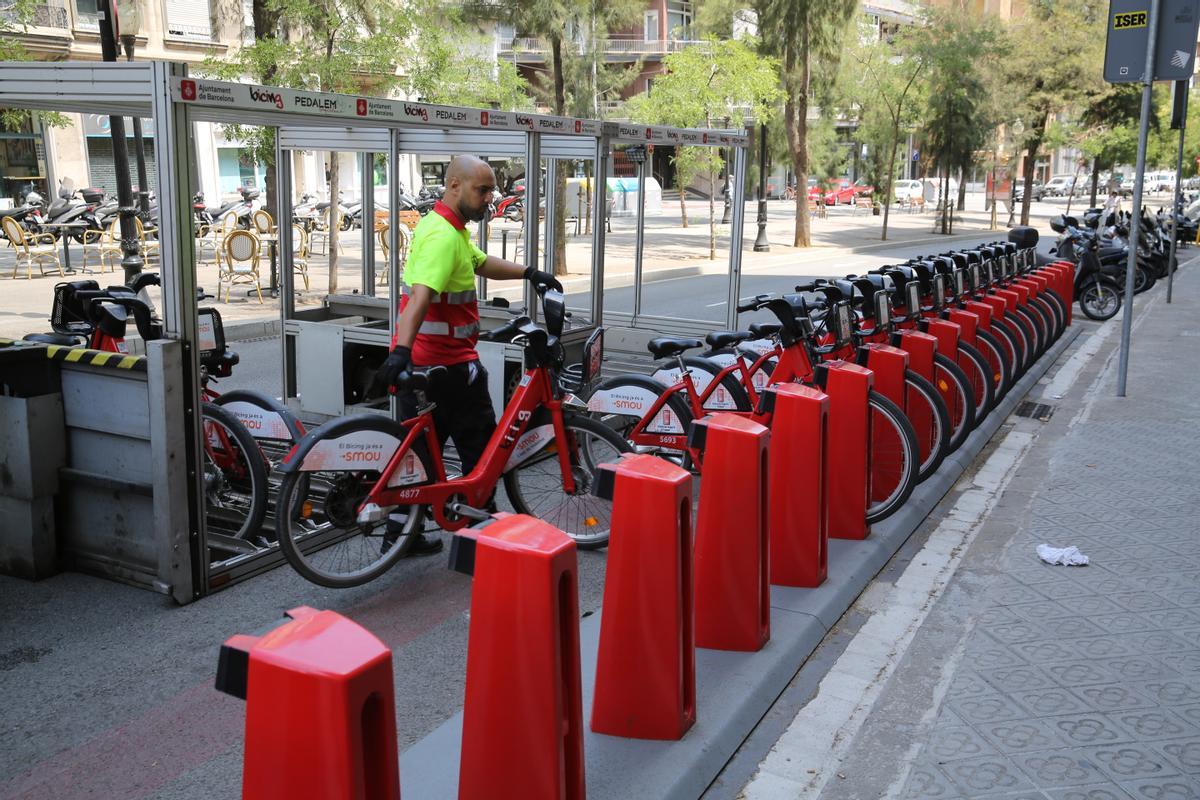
x,y
173,100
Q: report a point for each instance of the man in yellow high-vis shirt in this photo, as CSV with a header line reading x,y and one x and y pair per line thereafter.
x,y
439,316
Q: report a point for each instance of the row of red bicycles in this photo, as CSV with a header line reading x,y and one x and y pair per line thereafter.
x,y
989,312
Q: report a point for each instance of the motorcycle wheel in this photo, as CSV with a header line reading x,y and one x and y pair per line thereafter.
x,y
1099,301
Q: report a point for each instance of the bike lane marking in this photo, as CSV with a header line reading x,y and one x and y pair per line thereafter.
x,y
153,748
809,752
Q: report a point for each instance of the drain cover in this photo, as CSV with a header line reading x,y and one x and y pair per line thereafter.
x,y
1039,411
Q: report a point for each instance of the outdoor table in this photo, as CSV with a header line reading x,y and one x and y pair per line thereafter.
x,y
66,228
272,240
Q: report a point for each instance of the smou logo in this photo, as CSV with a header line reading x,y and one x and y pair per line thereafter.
x,y
263,96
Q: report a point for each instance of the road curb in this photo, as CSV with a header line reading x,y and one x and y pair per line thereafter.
x,y
735,689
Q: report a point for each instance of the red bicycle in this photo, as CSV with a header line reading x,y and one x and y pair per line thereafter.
x,y
346,477
656,417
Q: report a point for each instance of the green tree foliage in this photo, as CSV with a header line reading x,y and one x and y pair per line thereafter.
x,y
1108,128
886,86
715,81
15,17
1048,71
577,77
807,38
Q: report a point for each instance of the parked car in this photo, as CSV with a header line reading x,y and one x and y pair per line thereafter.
x,y
841,191
1038,191
1062,186
905,191
1159,182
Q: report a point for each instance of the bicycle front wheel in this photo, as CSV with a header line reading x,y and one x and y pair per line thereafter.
x,y
894,458
317,520
235,476
535,486
927,413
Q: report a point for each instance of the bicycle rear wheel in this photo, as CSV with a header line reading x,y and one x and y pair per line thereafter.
x,y
235,476
316,513
930,419
894,458
999,364
961,401
535,486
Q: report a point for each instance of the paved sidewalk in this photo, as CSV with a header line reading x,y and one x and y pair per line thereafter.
x,y
1032,681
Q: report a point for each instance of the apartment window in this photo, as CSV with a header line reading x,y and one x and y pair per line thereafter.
x,y
650,31
248,21
87,15
679,20
189,19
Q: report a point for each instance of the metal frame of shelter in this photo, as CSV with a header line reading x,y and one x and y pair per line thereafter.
x,y
166,94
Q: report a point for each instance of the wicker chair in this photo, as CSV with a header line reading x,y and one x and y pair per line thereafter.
x,y
300,253
263,222
104,245
150,247
241,251
32,247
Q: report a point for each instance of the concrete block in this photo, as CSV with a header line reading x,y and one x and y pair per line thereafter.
x,y
32,445
27,546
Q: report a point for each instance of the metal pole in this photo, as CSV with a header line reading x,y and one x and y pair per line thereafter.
x,y
761,245
533,191
139,143
480,281
1178,190
728,166
368,223
551,211
599,229
735,236
132,262
1135,223
394,288
284,257
639,242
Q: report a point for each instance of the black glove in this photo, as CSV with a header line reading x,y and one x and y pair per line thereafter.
x,y
389,371
542,280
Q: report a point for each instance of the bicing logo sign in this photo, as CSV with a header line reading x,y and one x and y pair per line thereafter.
x,y
256,98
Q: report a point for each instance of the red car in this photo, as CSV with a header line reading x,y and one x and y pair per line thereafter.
x,y
841,192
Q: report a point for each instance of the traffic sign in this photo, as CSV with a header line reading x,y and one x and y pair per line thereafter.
x,y
916,155
1129,36
1175,52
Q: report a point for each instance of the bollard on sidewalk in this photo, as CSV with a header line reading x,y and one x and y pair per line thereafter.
x,y
732,569
798,507
320,710
847,459
523,713
646,666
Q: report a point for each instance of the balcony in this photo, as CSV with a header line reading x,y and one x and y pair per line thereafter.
x,y
525,48
46,16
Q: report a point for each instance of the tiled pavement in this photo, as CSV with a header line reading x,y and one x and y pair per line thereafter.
x,y
1069,683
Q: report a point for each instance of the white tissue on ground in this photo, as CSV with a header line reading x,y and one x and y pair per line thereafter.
x,y
1070,556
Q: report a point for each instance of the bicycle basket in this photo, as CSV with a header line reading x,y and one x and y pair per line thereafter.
x,y
68,315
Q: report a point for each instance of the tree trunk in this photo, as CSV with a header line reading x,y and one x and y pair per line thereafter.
x,y
1095,180
560,183
962,192
712,214
265,16
682,194
587,223
334,222
890,178
798,141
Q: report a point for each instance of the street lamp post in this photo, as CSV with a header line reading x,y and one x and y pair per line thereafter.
x,y
131,261
761,245
130,19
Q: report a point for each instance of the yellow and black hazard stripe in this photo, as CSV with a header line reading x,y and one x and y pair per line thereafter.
x,y
86,357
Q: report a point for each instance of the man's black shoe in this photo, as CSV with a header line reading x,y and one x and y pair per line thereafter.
x,y
424,546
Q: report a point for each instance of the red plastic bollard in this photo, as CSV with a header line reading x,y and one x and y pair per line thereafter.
x,y
320,709
946,333
847,459
523,711
968,324
798,508
646,666
921,348
733,604
889,365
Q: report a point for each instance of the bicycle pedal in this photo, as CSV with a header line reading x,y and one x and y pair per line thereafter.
x,y
372,512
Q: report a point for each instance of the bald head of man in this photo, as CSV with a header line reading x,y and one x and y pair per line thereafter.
x,y
470,183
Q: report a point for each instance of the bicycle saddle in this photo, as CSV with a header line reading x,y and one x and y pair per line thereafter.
x,y
419,378
762,330
667,346
52,338
719,339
